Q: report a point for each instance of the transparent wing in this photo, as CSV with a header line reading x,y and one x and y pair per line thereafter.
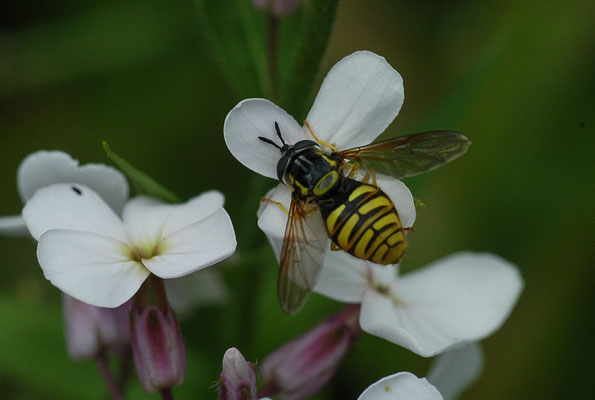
x,y
411,155
302,256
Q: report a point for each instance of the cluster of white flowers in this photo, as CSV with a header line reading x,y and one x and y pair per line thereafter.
x,y
92,254
455,301
98,246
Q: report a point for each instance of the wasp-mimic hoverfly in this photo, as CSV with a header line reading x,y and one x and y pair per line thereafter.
x,y
357,216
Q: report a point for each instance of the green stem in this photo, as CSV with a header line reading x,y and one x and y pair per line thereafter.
x,y
257,51
106,374
273,37
315,30
166,394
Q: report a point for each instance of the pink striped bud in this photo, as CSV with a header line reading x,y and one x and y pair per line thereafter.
x,y
302,367
89,329
237,380
157,347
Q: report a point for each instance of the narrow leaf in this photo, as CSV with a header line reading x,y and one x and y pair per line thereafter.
x,y
296,84
142,182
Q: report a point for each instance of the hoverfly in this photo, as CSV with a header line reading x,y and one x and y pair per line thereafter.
x,y
357,216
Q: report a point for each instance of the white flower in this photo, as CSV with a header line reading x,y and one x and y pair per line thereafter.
x,y
88,252
401,386
359,98
461,298
204,287
450,373
44,168
453,371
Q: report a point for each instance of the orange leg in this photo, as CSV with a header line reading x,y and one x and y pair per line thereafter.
x,y
322,142
409,229
281,206
353,171
370,174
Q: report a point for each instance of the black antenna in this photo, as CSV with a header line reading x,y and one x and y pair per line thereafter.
x,y
269,141
279,133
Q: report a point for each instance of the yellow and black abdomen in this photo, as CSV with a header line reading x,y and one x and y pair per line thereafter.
x,y
363,221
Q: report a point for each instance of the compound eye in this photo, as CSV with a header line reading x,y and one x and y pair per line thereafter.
x,y
304,144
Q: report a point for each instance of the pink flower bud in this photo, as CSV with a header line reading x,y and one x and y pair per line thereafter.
x,y
300,368
88,329
237,380
278,8
158,348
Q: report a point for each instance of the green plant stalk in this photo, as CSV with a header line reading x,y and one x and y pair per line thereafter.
x,y
142,182
315,31
257,49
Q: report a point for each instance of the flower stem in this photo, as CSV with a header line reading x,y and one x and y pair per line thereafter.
x,y
125,367
268,390
110,381
307,55
166,394
273,38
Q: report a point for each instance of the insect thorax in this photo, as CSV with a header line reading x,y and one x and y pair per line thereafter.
x,y
313,174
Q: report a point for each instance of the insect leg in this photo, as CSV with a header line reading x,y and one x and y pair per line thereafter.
x,y
281,206
353,171
370,174
322,142
334,247
309,208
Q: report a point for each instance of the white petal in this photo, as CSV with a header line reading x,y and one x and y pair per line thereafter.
x,y
453,371
274,240
252,118
273,219
358,99
343,278
401,196
44,168
72,207
380,316
148,220
13,225
200,288
196,246
459,299
89,267
401,386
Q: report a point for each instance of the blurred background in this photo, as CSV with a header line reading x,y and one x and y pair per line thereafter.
x,y
156,79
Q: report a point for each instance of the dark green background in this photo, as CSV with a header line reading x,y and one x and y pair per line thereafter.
x,y
516,76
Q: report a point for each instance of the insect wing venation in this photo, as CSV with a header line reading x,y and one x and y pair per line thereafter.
x,y
302,255
411,155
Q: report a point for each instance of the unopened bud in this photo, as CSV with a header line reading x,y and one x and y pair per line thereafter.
x,y
278,8
237,380
157,347
88,329
300,368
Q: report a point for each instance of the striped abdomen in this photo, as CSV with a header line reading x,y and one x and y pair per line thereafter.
x,y
365,223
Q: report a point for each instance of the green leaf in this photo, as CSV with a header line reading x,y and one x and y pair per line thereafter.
x,y
236,35
297,82
142,182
